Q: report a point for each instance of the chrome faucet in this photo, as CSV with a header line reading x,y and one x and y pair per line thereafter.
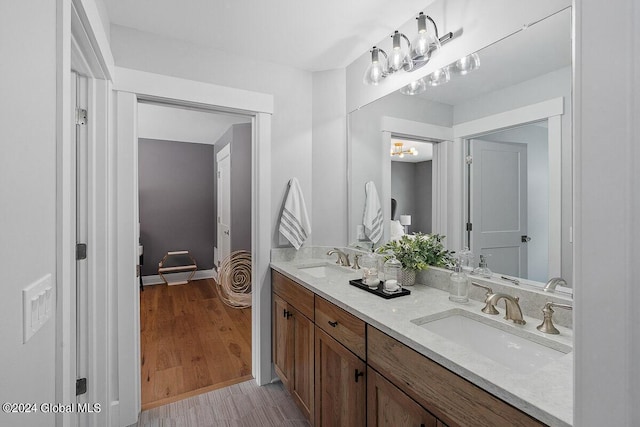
x,y
553,282
343,259
547,325
512,305
356,261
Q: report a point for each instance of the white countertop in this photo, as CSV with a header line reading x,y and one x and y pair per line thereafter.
x,y
546,394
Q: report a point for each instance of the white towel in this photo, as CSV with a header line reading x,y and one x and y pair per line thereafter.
x,y
294,222
372,220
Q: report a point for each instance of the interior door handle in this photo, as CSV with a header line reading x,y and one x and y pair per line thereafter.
x,y
226,232
525,239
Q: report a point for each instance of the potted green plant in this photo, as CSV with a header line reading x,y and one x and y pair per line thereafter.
x,y
417,252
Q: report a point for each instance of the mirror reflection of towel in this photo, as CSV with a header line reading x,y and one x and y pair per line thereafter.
x,y
294,222
372,219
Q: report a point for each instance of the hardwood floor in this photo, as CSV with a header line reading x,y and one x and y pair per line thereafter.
x,y
191,342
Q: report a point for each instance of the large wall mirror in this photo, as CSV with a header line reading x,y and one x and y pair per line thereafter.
x,y
493,169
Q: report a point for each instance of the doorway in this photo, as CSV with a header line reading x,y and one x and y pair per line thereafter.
x,y
191,342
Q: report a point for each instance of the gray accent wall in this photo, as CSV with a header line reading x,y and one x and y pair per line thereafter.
x,y
239,136
411,186
176,185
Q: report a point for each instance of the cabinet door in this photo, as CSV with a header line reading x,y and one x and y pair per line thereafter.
x,y
282,340
302,374
388,406
340,390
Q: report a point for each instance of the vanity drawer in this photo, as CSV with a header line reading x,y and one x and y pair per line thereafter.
x,y
448,396
293,293
344,327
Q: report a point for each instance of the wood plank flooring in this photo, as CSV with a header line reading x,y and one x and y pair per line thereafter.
x,y
244,404
191,342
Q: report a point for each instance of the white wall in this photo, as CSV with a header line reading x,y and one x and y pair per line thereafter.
x,y
292,90
329,159
28,194
607,230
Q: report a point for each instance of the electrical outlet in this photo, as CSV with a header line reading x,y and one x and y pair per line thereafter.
x,y
37,302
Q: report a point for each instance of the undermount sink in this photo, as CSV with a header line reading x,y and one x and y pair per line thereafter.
x,y
321,270
516,349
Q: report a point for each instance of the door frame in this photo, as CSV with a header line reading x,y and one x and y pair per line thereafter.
x,y
81,45
130,87
550,110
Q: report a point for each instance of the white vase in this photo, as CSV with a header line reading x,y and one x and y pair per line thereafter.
x,y
408,277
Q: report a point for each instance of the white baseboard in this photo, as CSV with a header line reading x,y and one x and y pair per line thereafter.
x,y
175,277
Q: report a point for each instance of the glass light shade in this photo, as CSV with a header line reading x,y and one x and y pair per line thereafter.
x,y
467,64
426,44
438,77
376,71
399,56
414,88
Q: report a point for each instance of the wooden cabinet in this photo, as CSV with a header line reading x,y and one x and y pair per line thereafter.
x,y
448,396
293,343
388,406
340,390
344,327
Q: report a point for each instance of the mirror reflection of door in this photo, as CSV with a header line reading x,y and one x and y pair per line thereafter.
x,y
411,185
508,200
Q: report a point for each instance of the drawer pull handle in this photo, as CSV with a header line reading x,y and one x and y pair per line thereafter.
x,y
358,374
333,324
286,314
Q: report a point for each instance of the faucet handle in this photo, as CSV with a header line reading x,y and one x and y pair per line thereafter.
x,y
488,308
547,325
356,261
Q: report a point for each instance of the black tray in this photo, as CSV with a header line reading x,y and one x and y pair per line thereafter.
x,y
378,291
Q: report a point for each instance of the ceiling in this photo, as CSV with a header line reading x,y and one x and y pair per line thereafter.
x,y
184,125
425,151
308,35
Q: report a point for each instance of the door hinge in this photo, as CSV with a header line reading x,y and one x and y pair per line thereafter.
x,y
469,226
81,251
81,116
81,386
468,160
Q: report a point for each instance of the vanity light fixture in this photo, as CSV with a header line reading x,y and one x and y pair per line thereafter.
x,y
409,58
438,77
398,150
465,65
461,67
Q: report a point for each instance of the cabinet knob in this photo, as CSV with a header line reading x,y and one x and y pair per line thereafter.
x,y
358,374
333,324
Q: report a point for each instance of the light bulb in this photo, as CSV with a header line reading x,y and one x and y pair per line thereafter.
x,y
376,71
426,44
467,64
415,152
401,155
414,88
398,57
438,77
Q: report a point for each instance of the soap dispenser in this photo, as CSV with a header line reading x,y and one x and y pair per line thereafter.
x,y
482,269
458,285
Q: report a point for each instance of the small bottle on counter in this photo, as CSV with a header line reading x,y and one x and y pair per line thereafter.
x,y
458,285
482,269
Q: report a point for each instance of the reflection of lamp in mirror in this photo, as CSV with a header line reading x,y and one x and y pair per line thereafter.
x,y
405,220
438,77
398,150
414,88
467,64
377,70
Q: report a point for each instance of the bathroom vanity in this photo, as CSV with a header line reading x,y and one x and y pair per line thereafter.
x,y
349,357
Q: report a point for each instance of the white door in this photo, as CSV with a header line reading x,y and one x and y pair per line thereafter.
x,y
223,159
499,205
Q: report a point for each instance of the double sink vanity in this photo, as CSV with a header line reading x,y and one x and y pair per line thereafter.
x,y
349,357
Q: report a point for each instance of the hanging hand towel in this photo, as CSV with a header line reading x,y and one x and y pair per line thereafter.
x,y
294,222
372,220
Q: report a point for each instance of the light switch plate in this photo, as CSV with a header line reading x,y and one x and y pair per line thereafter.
x,y
37,303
